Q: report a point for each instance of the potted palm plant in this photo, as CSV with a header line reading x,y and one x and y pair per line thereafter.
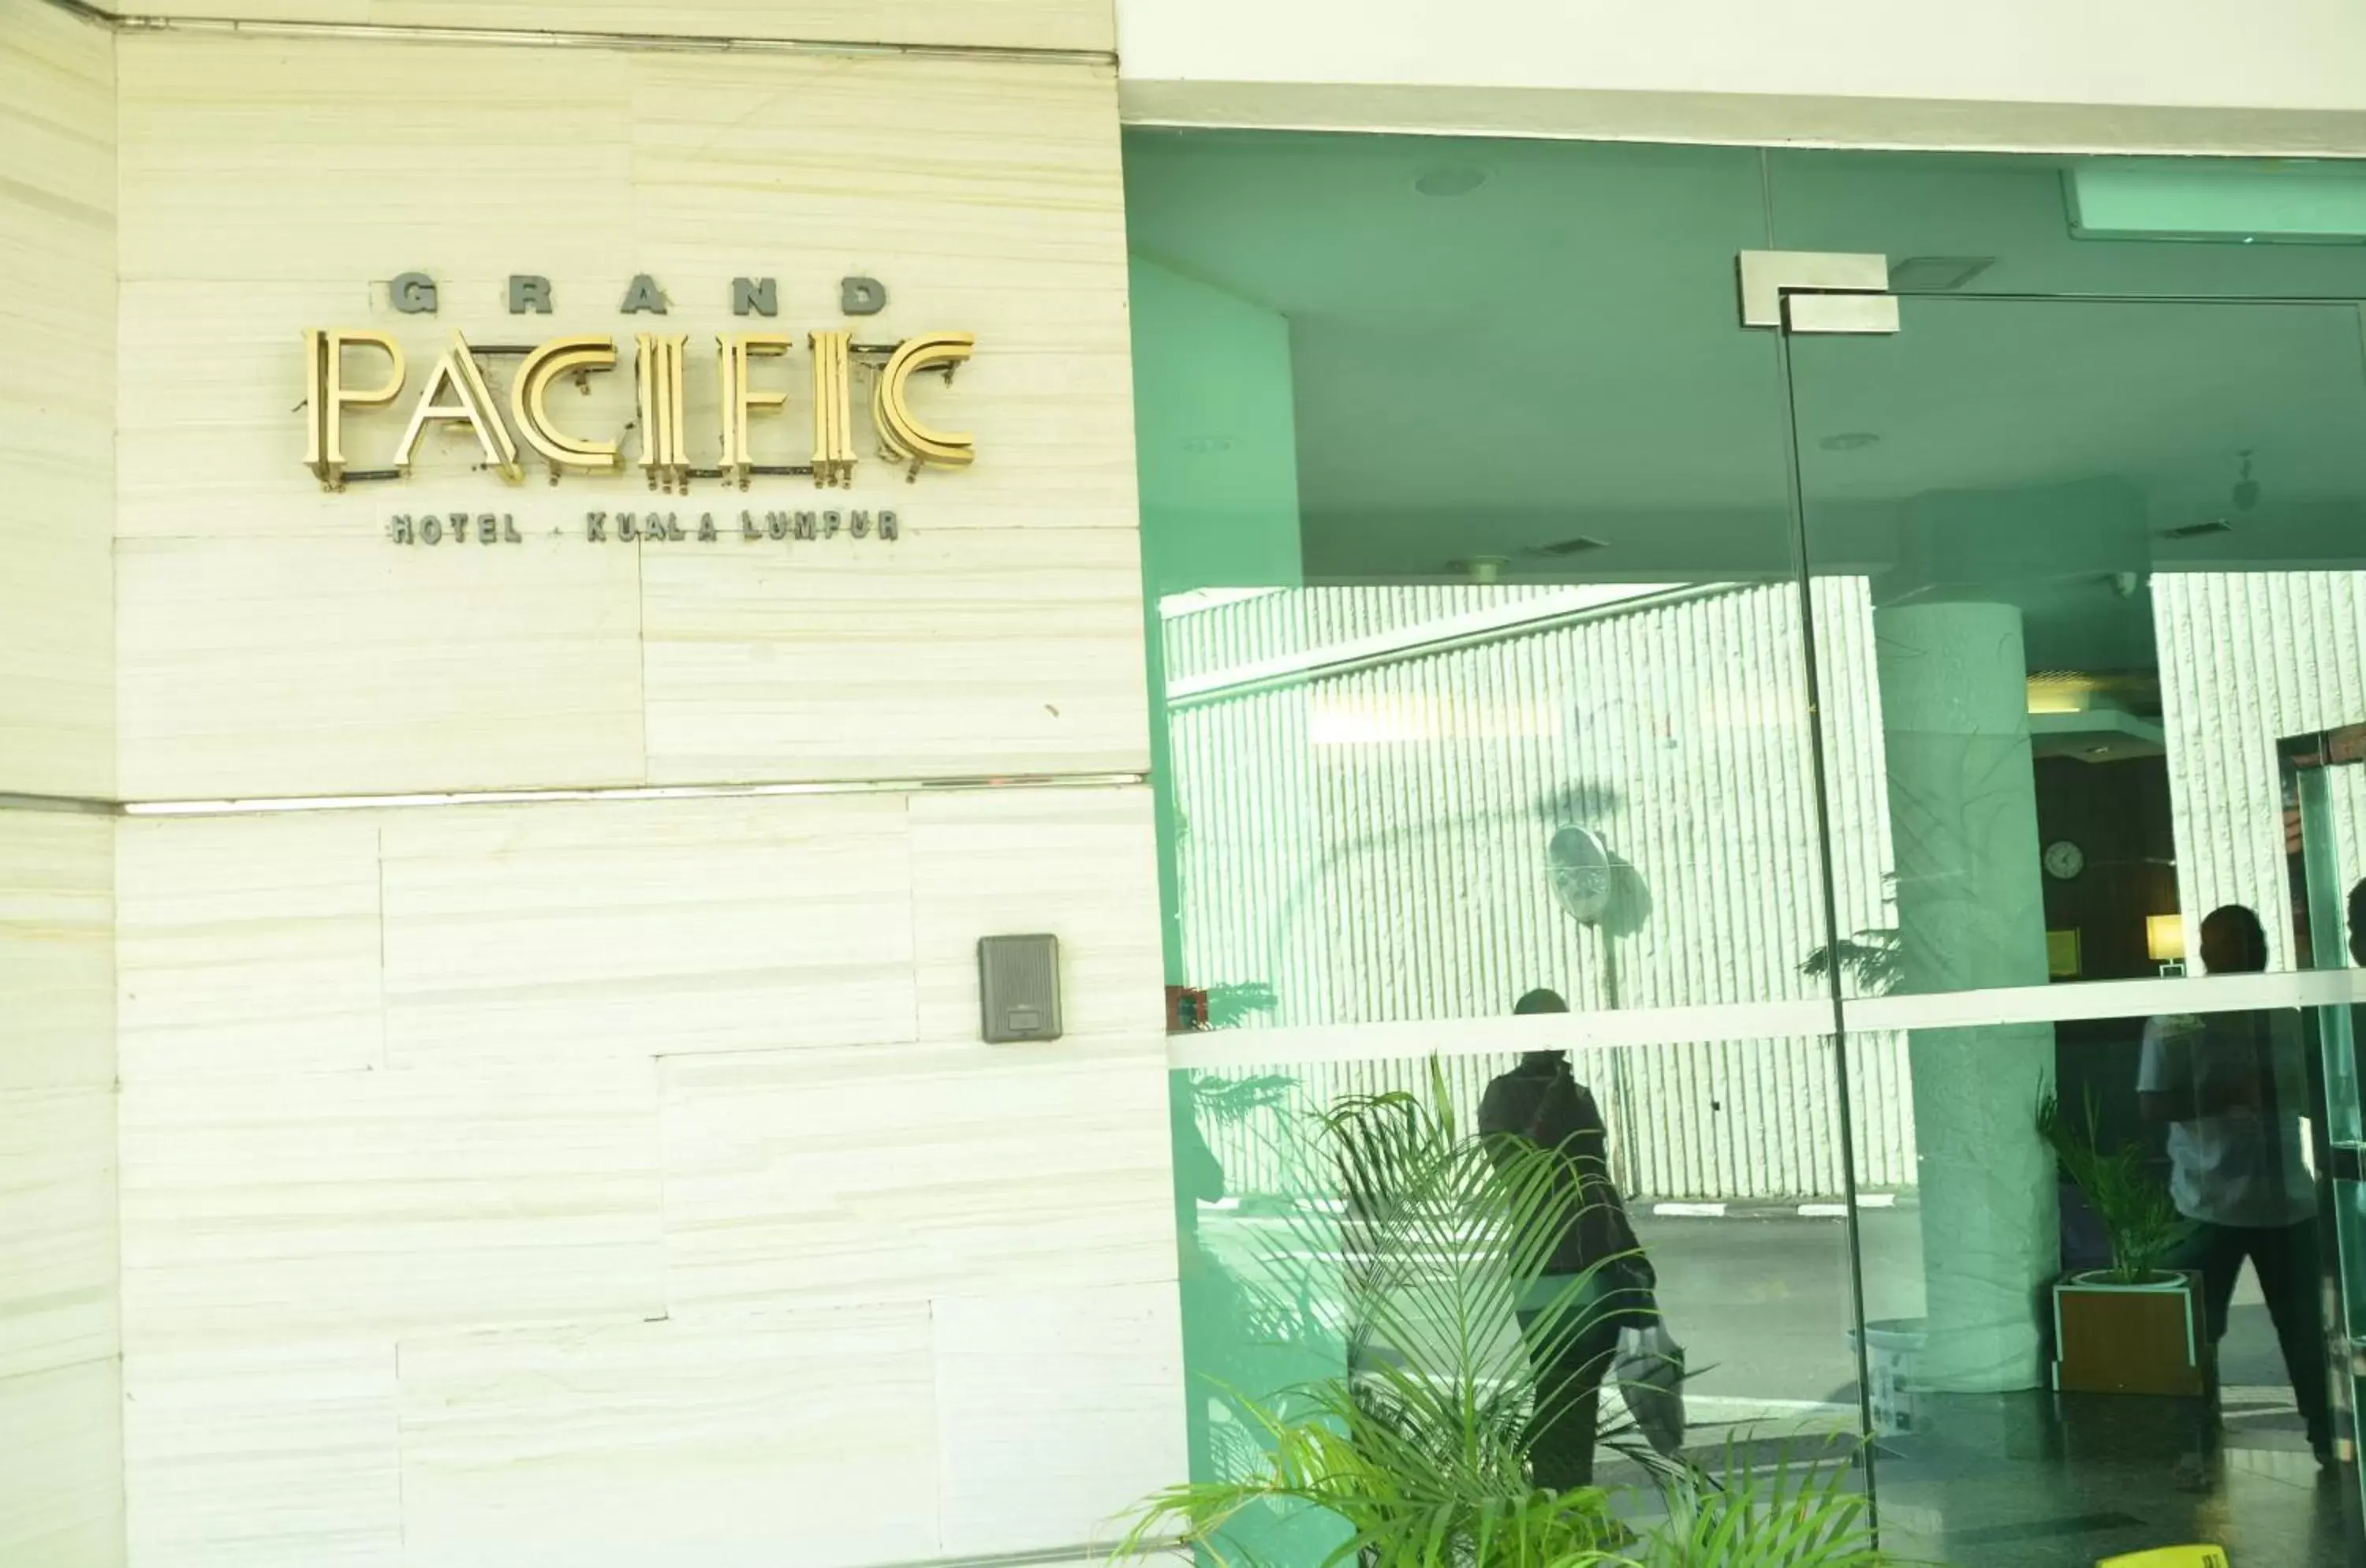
x,y
2136,1326
1410,1450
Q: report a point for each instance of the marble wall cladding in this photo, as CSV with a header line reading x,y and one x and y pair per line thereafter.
x,y
619,1181
57,403
1070,863
62,1495
1018,1376
906,1173
57,1229
810,1438
275,1451
589,1181
249,944
61,1430
275,642
384,1201
57,952
556,936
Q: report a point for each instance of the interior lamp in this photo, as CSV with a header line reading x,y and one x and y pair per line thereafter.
x,y
2164,938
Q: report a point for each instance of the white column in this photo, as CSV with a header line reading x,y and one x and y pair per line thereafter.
x,y
1971,913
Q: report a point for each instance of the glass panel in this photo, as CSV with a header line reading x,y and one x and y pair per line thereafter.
x,y
1477,640
1955,222
2121,1444
2078,566
1294,1275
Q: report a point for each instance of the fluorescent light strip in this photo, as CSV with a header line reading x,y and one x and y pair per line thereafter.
x,y
1645,1028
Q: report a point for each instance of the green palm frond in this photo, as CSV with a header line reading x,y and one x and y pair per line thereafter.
x,y
2131,1201
1792,1515
1409,1279
1229,1101
1417,1266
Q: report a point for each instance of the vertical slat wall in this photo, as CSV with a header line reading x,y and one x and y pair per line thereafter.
x,y
1372,846
2248,659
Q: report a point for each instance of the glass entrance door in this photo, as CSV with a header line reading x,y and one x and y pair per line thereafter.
x,y
2076,566
2324,797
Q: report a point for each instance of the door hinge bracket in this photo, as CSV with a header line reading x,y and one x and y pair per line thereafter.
x,y
1817,291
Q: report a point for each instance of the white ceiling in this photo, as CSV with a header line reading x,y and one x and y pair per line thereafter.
x,y
1557,352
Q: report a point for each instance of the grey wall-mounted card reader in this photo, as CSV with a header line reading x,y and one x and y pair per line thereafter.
x,y
1019,987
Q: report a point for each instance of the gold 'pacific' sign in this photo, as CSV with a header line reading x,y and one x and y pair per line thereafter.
x,y
456,393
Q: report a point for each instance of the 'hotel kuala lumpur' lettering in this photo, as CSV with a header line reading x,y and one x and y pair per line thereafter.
x,y
653,527
456,393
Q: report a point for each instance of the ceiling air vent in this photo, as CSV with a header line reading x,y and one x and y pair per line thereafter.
x,y
1571,546
2199,530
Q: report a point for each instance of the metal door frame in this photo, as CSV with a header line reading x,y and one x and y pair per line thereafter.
x,y
2320,941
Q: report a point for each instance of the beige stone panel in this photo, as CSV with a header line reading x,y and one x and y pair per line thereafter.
x,y
1006,24
467,164
692,169
987,197
811,1441
1057,1413
332,666
57,1228
62,1487
799,1178
279,1452
1079,864
274,641
57,402
57,951
249,944
373,1202
551,936
956,654
257,165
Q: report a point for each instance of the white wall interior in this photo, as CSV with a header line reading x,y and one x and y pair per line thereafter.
x,y
2170,75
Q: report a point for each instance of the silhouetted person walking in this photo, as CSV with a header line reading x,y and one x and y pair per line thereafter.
x,y
1540,1103
2234,1089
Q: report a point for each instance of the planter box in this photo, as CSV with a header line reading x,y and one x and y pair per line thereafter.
x,y
2148,1338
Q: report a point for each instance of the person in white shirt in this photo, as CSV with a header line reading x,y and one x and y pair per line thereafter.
x,y
2233,1088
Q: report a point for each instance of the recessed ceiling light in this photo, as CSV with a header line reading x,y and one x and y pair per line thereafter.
x,y
1849,441
1450,180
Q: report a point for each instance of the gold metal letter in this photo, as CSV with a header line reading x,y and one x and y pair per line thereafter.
x,y
833,454
737,397
905,439
326,396
472,405
659,377
558,358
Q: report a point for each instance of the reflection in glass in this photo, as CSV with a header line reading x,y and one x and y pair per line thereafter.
x,y
1478,608
1282,1266
2108,554
1477,645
